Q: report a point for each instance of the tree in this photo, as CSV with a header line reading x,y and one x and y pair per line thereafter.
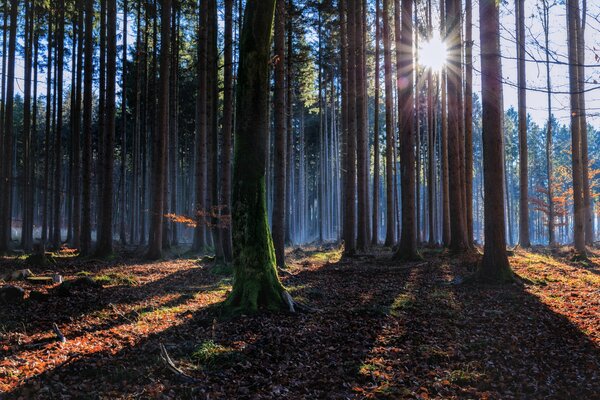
x,y
408,240
200,134
362,165
375,215
105,239
6,196
522,100
390,144
494,266
123,178
279,161
546,27
227,130
468,116
158,169
576,129
86,194
256,284
458,233
28,136
350,181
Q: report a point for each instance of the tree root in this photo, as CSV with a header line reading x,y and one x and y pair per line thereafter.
x,y
296,306
61,338
173,368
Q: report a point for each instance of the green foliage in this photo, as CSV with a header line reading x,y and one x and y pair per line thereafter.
x,y
211,355
114,278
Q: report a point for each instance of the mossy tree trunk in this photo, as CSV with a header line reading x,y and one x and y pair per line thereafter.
x,y
256,284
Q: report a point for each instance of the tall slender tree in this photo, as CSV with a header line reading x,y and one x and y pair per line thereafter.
x,y
86,197
390,237
280,158
494,266
375,215
350,182
160,138
522,100
458,233
408,240
576,122
7,184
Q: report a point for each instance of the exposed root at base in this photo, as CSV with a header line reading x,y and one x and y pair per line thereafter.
x,y
173,368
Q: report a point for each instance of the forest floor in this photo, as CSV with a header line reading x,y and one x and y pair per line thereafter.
x,y
381,330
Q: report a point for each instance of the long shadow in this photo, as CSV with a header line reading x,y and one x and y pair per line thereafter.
x,y
306,355
472,341
384,330
34,317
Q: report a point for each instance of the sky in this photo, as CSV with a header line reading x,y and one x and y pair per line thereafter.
x,y
536,72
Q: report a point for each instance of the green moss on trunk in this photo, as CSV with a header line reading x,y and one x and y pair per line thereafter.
x,y
256,284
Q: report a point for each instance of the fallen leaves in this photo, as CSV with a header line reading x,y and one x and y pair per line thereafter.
x,y
383,331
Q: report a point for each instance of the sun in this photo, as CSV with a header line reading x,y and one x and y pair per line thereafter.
x,y
433,53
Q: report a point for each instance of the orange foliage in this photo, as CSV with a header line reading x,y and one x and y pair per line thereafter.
x,y
211,218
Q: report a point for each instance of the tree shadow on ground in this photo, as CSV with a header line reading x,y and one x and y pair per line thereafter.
x,y
479,341
383,330
305,355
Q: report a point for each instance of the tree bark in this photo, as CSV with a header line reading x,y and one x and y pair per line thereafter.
x,y
408,240
522,106
494,266
6,197
458,233
375,220
576,125
350,183
468,116
256,284
227,132
280,136
200,189
390,143
160,138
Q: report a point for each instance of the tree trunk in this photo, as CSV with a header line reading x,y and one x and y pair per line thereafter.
x,y
576,125
123,190
227,132
375,220
458,233
390,237
6,197
444,142
408,240
256,284
494,267
160,138
587,198
86,194
350,183
468,116
27,225
200,195
551,216
522,100
280,136
362,165
105,239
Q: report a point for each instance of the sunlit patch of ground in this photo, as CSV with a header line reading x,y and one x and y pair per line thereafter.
x,y
382,330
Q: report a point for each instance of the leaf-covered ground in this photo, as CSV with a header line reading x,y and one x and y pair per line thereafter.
x,y
382,330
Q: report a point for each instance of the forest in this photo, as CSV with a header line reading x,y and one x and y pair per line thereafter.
x,y
303,199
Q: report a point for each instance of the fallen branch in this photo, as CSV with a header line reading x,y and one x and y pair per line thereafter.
x,y
61,338
171,366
